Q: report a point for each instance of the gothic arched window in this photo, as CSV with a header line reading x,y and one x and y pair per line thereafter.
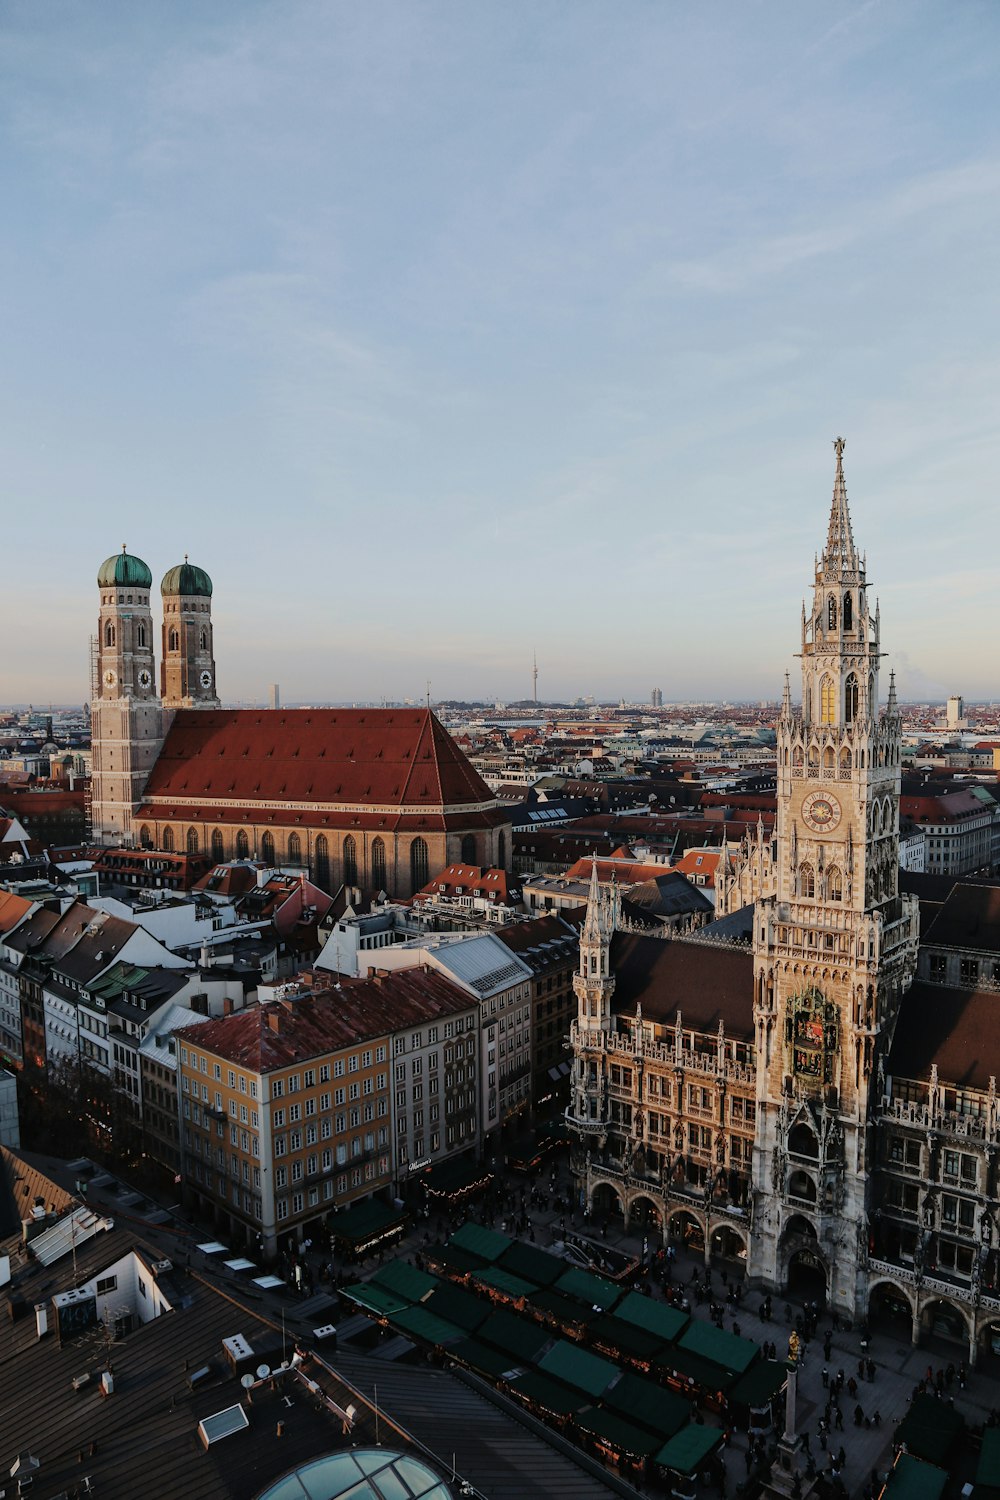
x,y
145,841
848,612
828,758
807,881
321,850
833,884
203,639
109,634
350,860
418,865
502,849
850,699
827,702
218,846
167,840
469,849
267,848
173,639
192,841
140,634
294,849
378,864
242,845
831,613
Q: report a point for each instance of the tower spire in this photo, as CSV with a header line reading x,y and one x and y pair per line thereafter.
x,y
839,555
593,925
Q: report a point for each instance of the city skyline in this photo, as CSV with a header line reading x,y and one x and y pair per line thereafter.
x,y
377,315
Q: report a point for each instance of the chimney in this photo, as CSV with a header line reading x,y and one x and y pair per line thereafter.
x,y
227,1005
274,1020
42,1318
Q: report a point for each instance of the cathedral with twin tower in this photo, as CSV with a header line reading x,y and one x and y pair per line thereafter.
x,y
376,800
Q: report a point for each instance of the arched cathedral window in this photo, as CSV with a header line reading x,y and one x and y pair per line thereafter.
x,y
218,846
192,841
294,849
140,634
322,852
827,702
834,885
267,848
350,860
109,634
167,840
850,699
378,864
418,864
831,613
807,881
848,612
173,639
242,845
204,639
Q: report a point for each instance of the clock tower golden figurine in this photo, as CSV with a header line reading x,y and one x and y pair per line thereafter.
x,y
835,944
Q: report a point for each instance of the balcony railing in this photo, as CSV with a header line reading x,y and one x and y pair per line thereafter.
x,y
945,1121
958,1291
621,1044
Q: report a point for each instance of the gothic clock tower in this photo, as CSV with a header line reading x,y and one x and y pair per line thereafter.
x,y
834,946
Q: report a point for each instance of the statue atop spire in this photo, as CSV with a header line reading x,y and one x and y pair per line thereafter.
x,y
839,555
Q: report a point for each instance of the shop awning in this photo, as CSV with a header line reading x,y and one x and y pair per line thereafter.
x,y
504,1281
518,1336
456,1306
456,1177
912,1479
661,1411
548,1395
930,1429
533,1264
365,1225
668,1323
625,1338
490,1362
577,1368
405,1280
377,1299
595,1291
616,1432
688,1449
421,1324
988,1472
474,1239
760,1383
722,1348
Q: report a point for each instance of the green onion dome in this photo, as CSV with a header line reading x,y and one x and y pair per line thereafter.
x,y
124,571
187,579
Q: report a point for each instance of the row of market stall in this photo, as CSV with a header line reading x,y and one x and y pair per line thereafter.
x,y
622,1374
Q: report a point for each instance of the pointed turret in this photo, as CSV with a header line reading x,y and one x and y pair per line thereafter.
x,y
839,555
786,699
892,707
593,922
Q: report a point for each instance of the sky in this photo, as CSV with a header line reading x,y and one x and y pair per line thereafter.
x,y
439,333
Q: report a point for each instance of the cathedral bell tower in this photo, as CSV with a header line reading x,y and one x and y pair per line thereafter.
x,y
188,670
126,718
835,944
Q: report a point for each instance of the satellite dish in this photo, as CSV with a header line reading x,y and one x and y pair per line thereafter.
x,y
263,1371
246,1381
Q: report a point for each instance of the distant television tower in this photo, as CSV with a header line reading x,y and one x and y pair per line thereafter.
x,y
534,674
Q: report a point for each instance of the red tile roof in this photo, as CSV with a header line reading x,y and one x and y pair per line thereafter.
x,y
282,1033
13,909
393,758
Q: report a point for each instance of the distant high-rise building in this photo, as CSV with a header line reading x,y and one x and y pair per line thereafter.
x,y
657,698
955,714
275,695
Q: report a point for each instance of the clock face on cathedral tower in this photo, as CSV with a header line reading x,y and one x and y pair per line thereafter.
x,y
821,812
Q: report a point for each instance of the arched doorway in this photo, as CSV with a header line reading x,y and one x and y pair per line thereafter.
x,y
890,1308
806,1279
728,1243
944,1321
684,1229
605,1202
645,1214
989,1346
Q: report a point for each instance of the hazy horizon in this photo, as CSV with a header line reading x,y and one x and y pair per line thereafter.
x,y
441,335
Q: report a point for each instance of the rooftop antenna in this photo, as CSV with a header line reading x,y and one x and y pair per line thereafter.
x,y
534,673
378,1440
428,692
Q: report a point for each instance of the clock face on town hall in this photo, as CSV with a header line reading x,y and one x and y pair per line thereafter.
x,y
821,811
